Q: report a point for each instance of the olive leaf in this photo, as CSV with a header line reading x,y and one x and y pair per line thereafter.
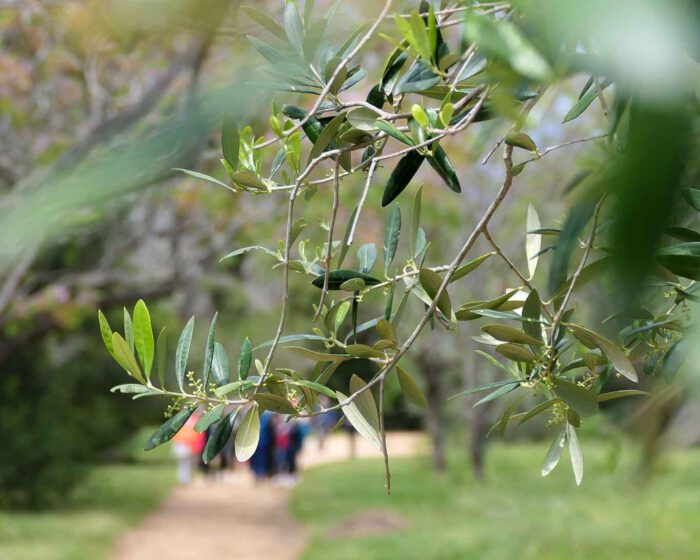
x,y
431,281
533,242
248,435
391,237
182,352
169,429
401,176
410,389
143,337
616,356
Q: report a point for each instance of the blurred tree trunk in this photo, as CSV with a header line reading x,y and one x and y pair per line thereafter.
x,y
434,372
476,420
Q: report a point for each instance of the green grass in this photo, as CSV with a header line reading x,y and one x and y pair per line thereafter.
x,y
110,500
516,514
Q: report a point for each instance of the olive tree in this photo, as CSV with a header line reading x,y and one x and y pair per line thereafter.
x,y
450,67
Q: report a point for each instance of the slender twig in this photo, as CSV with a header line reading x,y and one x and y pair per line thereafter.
x,y
364,104
197,398
452,11
574,279
467,59
512,266
287,252
544,152
361,203
382,431
365,191
329,247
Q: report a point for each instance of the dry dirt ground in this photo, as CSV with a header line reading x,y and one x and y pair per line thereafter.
x,y
236,519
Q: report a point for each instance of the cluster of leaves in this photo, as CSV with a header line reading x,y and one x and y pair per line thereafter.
x,y
498,69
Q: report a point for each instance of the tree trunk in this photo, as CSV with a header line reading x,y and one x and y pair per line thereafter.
x,y
476,419
433,370
434,416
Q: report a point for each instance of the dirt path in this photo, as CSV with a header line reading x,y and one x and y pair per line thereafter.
x,y
235,519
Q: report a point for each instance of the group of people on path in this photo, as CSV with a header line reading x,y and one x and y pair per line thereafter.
x,y
281,441
278,448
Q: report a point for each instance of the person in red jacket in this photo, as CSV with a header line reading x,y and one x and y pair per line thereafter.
x,y
187,446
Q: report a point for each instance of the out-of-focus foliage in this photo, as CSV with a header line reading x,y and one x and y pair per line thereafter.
x,y
97,100
57,425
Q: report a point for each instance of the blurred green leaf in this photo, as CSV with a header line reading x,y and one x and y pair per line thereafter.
x,y
503,40
327,136
392,131
391,237
441,163
503,390
245,357
230,141
410,389
470,266
337,277
520,140
128,330
317,356
509,334
293,27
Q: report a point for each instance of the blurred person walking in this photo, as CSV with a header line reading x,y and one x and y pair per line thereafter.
x,y
289,437
263,460
188,445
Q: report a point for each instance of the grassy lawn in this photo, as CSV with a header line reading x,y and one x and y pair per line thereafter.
x,y
111,499
517,514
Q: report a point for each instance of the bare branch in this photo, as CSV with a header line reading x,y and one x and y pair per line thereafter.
x,y
329,248
287,251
